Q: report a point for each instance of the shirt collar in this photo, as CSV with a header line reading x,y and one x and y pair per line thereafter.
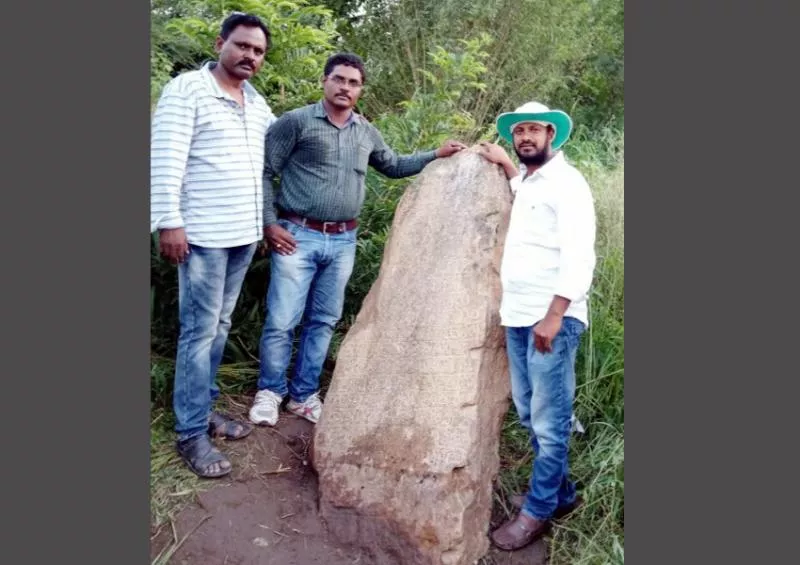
x,y
320,112
548,170
216,89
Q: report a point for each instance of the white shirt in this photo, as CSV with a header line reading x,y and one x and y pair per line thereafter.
x,y
206,161
549,247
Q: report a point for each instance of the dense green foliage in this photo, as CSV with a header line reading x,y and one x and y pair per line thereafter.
x,y
183,34
440,69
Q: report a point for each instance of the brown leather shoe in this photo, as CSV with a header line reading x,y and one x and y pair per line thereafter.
x,y
519,532
519,499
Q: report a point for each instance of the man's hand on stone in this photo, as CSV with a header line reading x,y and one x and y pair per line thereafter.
x,y
497,155
493,153
280,240
448,148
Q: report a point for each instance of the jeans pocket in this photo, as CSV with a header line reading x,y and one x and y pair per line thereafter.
x,y
291,227
351,236
573,330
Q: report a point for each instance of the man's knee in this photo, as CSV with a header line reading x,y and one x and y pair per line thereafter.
x,y
284,315
551,432
323,317
275,324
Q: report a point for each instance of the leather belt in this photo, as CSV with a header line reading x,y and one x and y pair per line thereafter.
x,y
324,227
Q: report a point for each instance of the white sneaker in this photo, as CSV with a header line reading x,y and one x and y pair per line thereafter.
x,y
265,408
311,409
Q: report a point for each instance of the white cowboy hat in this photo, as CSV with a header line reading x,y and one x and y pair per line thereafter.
x,y
536,112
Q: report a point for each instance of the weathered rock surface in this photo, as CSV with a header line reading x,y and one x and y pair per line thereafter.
x,y
407,447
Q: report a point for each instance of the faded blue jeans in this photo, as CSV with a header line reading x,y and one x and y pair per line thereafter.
x,y
209,282
543,389
307,285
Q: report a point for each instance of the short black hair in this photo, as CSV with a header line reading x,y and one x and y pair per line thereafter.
x,y
237,19
348,60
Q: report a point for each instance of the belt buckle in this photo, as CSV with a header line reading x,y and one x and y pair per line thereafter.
x,y
325,227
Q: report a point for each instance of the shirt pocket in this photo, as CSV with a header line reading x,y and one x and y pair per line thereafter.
x,y
220,130
542,224
317,149
362,157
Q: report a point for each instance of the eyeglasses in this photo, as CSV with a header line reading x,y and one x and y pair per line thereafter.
x,y
341,81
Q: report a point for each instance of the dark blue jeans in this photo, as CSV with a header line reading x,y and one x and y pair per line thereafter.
x,y
209,282
543,389
311,281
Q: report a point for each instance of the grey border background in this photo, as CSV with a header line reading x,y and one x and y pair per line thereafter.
x,y
76,283
704,482
709,398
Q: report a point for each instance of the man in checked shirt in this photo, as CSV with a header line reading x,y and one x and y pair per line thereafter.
x,y
321,153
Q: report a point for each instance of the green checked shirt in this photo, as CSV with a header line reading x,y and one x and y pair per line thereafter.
x,y
322,168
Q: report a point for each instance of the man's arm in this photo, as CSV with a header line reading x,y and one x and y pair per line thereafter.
x,y
496,154
280,143
576,235
171,138
395,166
278,146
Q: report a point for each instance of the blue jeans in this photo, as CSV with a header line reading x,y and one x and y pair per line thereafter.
x,y
209,282
543,389
308,284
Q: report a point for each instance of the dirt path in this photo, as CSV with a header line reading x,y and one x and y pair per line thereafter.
x,y
265,512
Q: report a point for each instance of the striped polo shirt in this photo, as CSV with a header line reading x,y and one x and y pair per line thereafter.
x,y
206,161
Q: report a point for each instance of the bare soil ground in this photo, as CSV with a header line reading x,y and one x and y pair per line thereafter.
x,y
265,512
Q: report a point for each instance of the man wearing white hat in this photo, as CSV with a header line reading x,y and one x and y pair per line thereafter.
x,y
546,273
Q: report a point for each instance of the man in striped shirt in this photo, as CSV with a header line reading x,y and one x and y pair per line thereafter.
x,y
207,154
320,152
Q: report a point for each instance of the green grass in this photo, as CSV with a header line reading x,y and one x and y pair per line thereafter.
x,y
595,535
172,484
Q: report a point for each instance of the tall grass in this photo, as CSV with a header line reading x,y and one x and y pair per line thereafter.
x,y
596,534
